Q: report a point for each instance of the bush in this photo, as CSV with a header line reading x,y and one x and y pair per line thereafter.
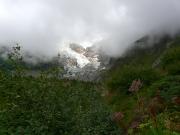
x,y
45,105
42,106
122,79
171,61
169,87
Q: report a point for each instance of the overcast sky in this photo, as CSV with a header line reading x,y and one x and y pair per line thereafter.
x,y
43,26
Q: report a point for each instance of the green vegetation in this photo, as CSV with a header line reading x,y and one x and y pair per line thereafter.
x,y
171,61
141,96
45,105
154,108
49,106
122,79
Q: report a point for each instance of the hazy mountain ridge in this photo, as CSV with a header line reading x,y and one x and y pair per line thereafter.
x,y
87,64
77,62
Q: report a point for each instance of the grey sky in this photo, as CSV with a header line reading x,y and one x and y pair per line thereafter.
x,y
43,26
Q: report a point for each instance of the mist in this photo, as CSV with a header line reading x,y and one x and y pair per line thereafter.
x,y
43,27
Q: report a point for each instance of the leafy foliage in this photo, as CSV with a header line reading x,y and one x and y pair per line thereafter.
x,y
50,106
122,79
171,61
169,87
154,108
45,105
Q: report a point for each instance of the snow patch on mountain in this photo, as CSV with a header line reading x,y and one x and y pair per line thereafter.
x,y
67,52
79,61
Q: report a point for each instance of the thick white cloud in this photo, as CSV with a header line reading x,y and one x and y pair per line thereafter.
x,y
42,26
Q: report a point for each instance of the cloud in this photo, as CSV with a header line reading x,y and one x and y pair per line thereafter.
x,y
43,26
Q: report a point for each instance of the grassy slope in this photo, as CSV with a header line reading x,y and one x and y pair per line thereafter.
x,y
164,77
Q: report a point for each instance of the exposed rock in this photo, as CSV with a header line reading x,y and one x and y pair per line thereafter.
x,y
93,63
90,52
77,48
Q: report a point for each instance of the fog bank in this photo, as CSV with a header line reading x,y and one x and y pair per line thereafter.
x,y
43,27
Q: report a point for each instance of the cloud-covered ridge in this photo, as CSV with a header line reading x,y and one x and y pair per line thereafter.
x,y
43,26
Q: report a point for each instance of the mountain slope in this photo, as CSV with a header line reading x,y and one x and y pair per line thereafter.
x,y
139,95
144,86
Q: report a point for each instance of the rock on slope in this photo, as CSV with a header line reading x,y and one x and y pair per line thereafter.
x,y
82,63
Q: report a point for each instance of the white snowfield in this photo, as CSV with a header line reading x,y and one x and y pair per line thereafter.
x,y
82,60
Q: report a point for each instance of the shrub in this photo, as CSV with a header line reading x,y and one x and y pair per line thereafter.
x,y
42,106
45,105
171,61
169,87
123,78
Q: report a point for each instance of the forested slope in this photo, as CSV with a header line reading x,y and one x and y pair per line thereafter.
x,y
139,95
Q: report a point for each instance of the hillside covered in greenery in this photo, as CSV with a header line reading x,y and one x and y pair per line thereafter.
x,y
139,95
144,85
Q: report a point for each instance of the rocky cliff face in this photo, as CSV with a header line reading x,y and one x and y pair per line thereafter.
x,y
83,63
